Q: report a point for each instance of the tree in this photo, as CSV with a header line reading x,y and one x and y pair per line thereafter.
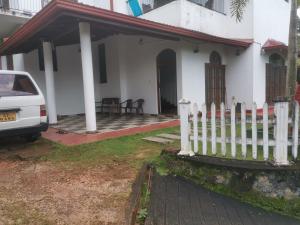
x,y
292,52
237,10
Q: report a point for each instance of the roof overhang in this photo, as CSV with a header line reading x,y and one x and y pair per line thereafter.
x,y
273,45
58,23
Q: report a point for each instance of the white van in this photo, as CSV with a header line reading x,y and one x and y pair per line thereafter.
x,y
22,106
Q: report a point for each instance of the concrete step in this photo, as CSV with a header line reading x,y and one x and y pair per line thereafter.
x,y
158,140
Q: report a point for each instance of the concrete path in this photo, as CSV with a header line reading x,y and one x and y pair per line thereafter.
x,y
175,201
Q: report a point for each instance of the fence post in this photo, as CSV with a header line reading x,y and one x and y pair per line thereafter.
x,y
204,130
281,138
295,130
266,131
223,129
195,126
244,130
233,130
185,127
254,131
213,129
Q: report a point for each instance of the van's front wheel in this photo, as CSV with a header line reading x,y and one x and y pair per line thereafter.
x,y
32,137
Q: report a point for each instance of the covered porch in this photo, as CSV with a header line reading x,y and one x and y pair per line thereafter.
x,y
107,123
63,46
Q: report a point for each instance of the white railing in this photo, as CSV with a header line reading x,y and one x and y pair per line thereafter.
x,y
213,127
217,5
26,7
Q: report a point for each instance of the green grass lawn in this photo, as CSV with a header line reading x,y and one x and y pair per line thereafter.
x,y
131,149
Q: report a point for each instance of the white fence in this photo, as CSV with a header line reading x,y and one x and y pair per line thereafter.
x,y
213,129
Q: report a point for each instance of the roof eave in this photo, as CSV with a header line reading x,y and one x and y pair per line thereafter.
x,y
55,7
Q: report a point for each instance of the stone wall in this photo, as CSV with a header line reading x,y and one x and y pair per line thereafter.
x,y
270,183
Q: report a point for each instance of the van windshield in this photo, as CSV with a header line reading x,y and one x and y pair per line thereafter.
x,y
16,85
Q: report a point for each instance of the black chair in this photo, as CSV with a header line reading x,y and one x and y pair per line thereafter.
x,y
111,105
128,106
138,106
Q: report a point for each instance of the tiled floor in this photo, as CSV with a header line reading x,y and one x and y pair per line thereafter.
x,y
107,123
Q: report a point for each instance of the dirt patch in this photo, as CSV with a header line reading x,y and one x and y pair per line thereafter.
x,y
37,192
15,149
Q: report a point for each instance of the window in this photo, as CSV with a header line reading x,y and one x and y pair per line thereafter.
x,y
215,58
41,59
277,60
102,64
16,85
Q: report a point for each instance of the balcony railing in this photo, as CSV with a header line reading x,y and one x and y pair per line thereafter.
x,y
216,5
24,7
139,7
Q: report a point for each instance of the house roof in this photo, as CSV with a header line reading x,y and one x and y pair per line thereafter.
x,y
272,44
58,22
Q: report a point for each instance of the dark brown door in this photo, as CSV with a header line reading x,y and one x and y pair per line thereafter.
x,y
10,62
215,88
275,81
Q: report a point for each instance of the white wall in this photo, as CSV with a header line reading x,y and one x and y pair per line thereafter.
x,y
239,76
18,61
68,79
102,4
139,69
189,15
271,20
201,19
131,72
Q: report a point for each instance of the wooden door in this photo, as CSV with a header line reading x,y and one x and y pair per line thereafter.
x,y
215,88
275,81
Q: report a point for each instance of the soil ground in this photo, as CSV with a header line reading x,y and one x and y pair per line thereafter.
x,y
36,191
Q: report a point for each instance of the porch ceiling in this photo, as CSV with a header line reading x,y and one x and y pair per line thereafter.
x,y
58,22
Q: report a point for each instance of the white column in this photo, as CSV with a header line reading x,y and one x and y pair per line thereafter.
x,y
19,62
50,87
3,62
88,76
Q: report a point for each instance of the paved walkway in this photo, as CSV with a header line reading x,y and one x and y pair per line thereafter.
x,y
72,139
175,201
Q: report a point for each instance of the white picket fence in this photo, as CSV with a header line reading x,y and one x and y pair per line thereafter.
x,y
281,143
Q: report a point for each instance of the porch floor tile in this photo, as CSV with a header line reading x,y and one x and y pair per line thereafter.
x,y
70,131
106,123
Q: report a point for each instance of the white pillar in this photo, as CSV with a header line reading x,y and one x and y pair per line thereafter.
x,y
88,76
50,87
185,128
18,60
4,63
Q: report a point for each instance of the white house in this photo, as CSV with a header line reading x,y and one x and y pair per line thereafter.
x,y
159,50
